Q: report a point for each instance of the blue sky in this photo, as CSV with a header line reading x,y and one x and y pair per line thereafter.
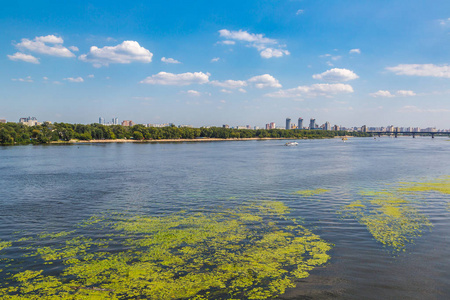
x,y
350,63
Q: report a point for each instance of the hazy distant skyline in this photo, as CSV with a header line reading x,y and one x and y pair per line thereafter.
x,y
349,63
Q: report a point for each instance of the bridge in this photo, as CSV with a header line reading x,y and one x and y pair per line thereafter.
x,y
413,134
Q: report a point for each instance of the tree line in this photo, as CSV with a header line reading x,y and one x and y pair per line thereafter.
x,y
16,133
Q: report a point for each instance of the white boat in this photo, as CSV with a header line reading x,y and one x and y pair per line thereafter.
x,y
291,144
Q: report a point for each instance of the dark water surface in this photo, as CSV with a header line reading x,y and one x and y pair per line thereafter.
x,y
52,188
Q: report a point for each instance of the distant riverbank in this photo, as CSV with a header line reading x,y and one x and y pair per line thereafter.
x,y
171,140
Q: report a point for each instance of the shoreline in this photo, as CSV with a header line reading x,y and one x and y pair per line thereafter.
x,y
168,140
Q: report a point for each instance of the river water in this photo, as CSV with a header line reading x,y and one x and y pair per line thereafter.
x,y
53,188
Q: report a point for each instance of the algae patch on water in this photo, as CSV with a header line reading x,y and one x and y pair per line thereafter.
x,y
391,216
308,193
252,252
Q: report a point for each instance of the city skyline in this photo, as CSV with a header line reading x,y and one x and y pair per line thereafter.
x,y
208,64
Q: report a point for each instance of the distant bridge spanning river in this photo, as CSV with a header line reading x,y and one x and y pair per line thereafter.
x,y
413,134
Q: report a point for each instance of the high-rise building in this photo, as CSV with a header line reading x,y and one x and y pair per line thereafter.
x,y
101,120
312,124
115,121
127,123
300,123
225,126
288,123
327,126
2,121
272,125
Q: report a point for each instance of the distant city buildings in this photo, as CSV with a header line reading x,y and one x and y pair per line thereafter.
x,y
29,121
312,124
128,123
2,121
288,123
300,123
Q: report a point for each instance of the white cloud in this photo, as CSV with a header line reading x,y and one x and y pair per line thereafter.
x,y
170,60
91,76
193,93
355,51
270,52
24,57
388,94
299,12
246,37
45,78
242,90
215,59
263,81
230,84
26,79
124,53
74,79
40,44
267,47
336,75
315,90
226,91
382,93
73,48
425,70
227,42
164,78
404,93
50,39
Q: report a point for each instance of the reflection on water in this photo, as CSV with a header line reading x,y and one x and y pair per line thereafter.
x,y
52,189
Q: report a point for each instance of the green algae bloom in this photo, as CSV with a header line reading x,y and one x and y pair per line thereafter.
x,y
390,214
442,185
4,245
252,252
308,193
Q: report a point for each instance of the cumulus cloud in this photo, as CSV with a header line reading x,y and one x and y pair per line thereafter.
x,y
230,84
355,51
227,42
49,45
242,90
193,93
425,70
91,76
24,57
404,93
226,91
73,48
271,52
164,78
336,75
124,53
263,81
267,47
388,94
26,79
299,12
382,93
170,60
315,90
215,59
74,79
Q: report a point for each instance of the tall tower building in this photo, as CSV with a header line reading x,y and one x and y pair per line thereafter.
x,y
288,123
327,126
312,124
300,123
101,120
